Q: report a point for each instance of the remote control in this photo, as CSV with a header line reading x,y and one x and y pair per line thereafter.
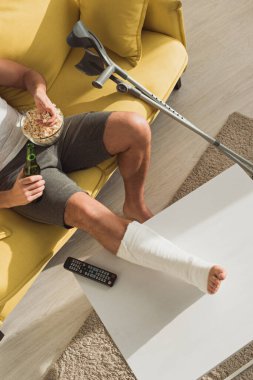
x,y
90,271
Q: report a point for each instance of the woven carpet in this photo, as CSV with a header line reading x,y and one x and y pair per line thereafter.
x,y
92,355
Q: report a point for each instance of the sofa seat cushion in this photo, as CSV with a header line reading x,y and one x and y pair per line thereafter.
x,y
108,22
37,242
163,62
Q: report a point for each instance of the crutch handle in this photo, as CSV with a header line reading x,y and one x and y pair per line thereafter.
x,y
99,82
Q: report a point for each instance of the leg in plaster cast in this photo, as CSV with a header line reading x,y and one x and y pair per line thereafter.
x,y
127,135
136,243
142,245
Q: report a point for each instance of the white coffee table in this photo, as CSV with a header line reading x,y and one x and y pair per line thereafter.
x,y
164,328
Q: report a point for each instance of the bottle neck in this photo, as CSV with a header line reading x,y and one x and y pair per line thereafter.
x,y
30,153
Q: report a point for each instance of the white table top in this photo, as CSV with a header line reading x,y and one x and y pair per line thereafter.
x,y
167,329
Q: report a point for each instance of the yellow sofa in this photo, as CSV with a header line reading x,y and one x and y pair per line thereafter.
x,y
34,33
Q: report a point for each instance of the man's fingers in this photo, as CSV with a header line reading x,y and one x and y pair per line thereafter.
x,y
31,179
52,111
36,185
38,195
50,122
50,108
37,190
34,194
31,198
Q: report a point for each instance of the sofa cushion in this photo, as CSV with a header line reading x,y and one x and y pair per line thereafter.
x,y
117,24
34,33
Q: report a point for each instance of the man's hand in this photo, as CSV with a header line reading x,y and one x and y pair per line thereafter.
x,y
26,189
44,104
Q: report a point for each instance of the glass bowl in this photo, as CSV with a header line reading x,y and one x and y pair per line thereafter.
x,y
40,134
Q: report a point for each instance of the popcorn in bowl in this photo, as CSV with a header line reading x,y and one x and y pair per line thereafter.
x,y
35,128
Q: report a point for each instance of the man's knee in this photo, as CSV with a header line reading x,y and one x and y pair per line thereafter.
x,y
77,211
139,128
125,130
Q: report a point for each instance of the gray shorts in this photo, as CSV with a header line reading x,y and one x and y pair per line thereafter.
x,y
80,147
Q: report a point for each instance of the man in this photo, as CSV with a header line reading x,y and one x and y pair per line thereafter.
x,y
88,139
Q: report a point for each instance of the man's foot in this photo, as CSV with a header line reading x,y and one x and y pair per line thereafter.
x,y
216,275
139,213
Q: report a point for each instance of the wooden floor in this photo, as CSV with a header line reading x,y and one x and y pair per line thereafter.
x,y
217,82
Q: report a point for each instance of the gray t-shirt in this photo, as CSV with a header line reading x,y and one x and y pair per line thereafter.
x,y
12,139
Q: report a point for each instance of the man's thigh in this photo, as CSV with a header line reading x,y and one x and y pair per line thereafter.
x,y
51,207
82,145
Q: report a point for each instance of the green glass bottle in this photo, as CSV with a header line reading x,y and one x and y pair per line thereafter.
x,y
31,165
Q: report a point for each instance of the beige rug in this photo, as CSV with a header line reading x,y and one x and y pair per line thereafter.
x,y
91,355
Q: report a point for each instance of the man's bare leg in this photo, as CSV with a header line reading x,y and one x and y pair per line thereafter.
x,y
128,136
91,216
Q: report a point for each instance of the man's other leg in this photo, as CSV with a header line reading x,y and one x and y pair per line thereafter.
x,y
128,135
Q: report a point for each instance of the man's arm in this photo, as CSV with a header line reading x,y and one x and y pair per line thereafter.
x,y
13,74
5,200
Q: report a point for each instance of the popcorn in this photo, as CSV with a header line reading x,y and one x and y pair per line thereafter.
x,y
36,128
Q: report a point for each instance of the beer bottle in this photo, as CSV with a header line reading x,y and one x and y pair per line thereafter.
x,y
31,166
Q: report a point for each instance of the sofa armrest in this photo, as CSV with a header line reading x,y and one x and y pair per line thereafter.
x,y
166,17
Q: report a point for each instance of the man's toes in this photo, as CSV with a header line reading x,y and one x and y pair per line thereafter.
x,y
213,285
211,290
221,276
219,272
214,281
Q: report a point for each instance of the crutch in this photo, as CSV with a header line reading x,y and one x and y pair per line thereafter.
x,y
96,62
